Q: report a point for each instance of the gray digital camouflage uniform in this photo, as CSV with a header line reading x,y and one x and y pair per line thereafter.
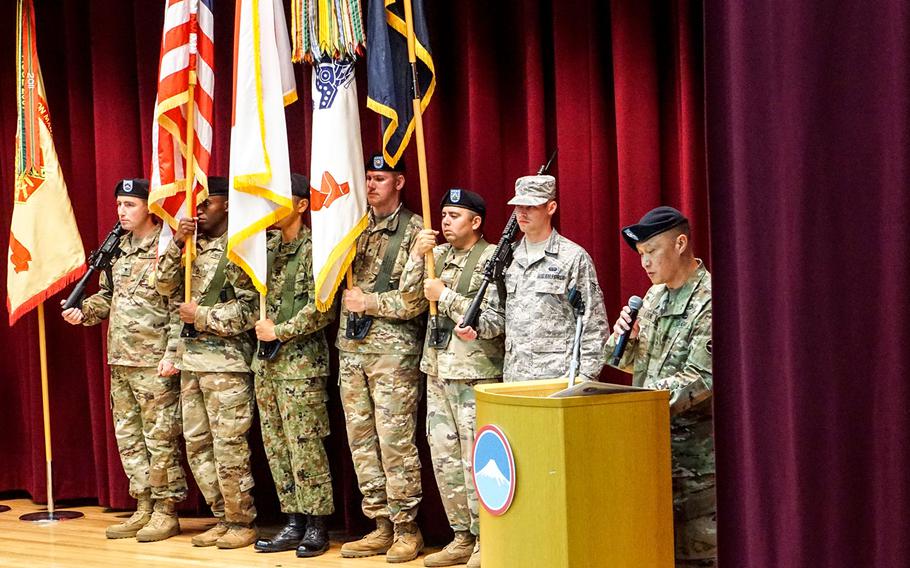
x,y
451,375
673,352
291,388
216,389
540,323
379,378
142,330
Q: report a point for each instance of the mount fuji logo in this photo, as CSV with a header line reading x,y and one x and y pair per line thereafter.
x,y
495,478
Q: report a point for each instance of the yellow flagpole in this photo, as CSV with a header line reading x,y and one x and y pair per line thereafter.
x,y
52,514
421,150
190,182
45,409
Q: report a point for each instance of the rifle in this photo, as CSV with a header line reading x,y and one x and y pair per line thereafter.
x,y
495,268
100,259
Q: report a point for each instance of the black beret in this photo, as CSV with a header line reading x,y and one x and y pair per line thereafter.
x,y
132,188
465,199
378,163
300,186
218,185
654,222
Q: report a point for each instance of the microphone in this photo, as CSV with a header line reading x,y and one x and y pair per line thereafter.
x,y
634,305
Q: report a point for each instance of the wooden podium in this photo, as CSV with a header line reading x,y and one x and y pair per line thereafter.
x,y
592,477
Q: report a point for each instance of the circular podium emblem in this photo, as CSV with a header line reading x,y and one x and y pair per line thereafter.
x,y
494,470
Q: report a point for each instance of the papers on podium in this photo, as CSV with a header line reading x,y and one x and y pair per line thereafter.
x,y
588,388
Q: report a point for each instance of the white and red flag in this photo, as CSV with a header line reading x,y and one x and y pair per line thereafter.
x,y
187,47
338,195
260,174
45,249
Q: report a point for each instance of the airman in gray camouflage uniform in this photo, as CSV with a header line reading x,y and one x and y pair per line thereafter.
x,y
291,387
216,391
455,368
379,375
670,349
145,388
539,321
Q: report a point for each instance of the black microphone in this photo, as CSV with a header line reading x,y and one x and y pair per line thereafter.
x,y
634,305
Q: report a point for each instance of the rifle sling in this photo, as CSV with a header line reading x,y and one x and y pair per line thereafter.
x,y
384,278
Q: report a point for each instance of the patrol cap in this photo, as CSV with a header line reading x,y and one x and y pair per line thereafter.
x,y
135,187
534,190
218,185
378,163
300,186
654,222
457,197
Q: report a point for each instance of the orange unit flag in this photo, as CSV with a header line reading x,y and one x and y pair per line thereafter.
x,y
45,250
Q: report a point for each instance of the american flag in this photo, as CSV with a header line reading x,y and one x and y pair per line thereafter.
x,y
187,46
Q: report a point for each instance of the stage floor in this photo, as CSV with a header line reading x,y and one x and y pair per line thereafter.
x,y
81,542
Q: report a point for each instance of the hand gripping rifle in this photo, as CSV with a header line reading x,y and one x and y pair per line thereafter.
x,y
100,259
495,268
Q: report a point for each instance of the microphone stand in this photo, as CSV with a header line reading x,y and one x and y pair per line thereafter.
x,y
578,305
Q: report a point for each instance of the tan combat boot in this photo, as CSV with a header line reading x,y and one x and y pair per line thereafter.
x,y
377,542
456,552
129,527
163,524
474,562
237,536
408,543
211,536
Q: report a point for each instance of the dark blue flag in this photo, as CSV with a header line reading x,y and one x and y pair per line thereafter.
x,y
390,91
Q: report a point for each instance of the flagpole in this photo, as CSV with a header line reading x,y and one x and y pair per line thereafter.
x,y
190,182
421,152
50,514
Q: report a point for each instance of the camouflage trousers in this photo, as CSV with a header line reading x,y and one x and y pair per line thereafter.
x,y
146,412
451,423
294,421
379,393
695,521
217,414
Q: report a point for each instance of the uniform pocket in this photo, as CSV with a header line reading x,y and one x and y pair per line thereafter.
x,y
235,413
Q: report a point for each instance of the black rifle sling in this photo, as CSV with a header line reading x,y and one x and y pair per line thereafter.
x,y
384,278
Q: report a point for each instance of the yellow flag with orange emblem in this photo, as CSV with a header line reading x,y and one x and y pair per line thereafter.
x,y
45,250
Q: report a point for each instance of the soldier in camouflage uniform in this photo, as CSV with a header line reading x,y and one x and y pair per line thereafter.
x,y
378,373
291,387
453,369
215,385
669,348
145,388
539,321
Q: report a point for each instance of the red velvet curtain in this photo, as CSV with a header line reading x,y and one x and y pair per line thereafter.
x,y
616,86
808,108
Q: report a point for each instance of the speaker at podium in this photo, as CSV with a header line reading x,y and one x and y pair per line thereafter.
x,y
573,481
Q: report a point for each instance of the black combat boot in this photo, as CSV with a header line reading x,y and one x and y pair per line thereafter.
x,y
287,538
315,541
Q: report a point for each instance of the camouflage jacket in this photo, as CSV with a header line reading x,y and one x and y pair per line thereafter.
x,y
540,323
305,351
222,344
673,352
396,327
461,360
144,325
